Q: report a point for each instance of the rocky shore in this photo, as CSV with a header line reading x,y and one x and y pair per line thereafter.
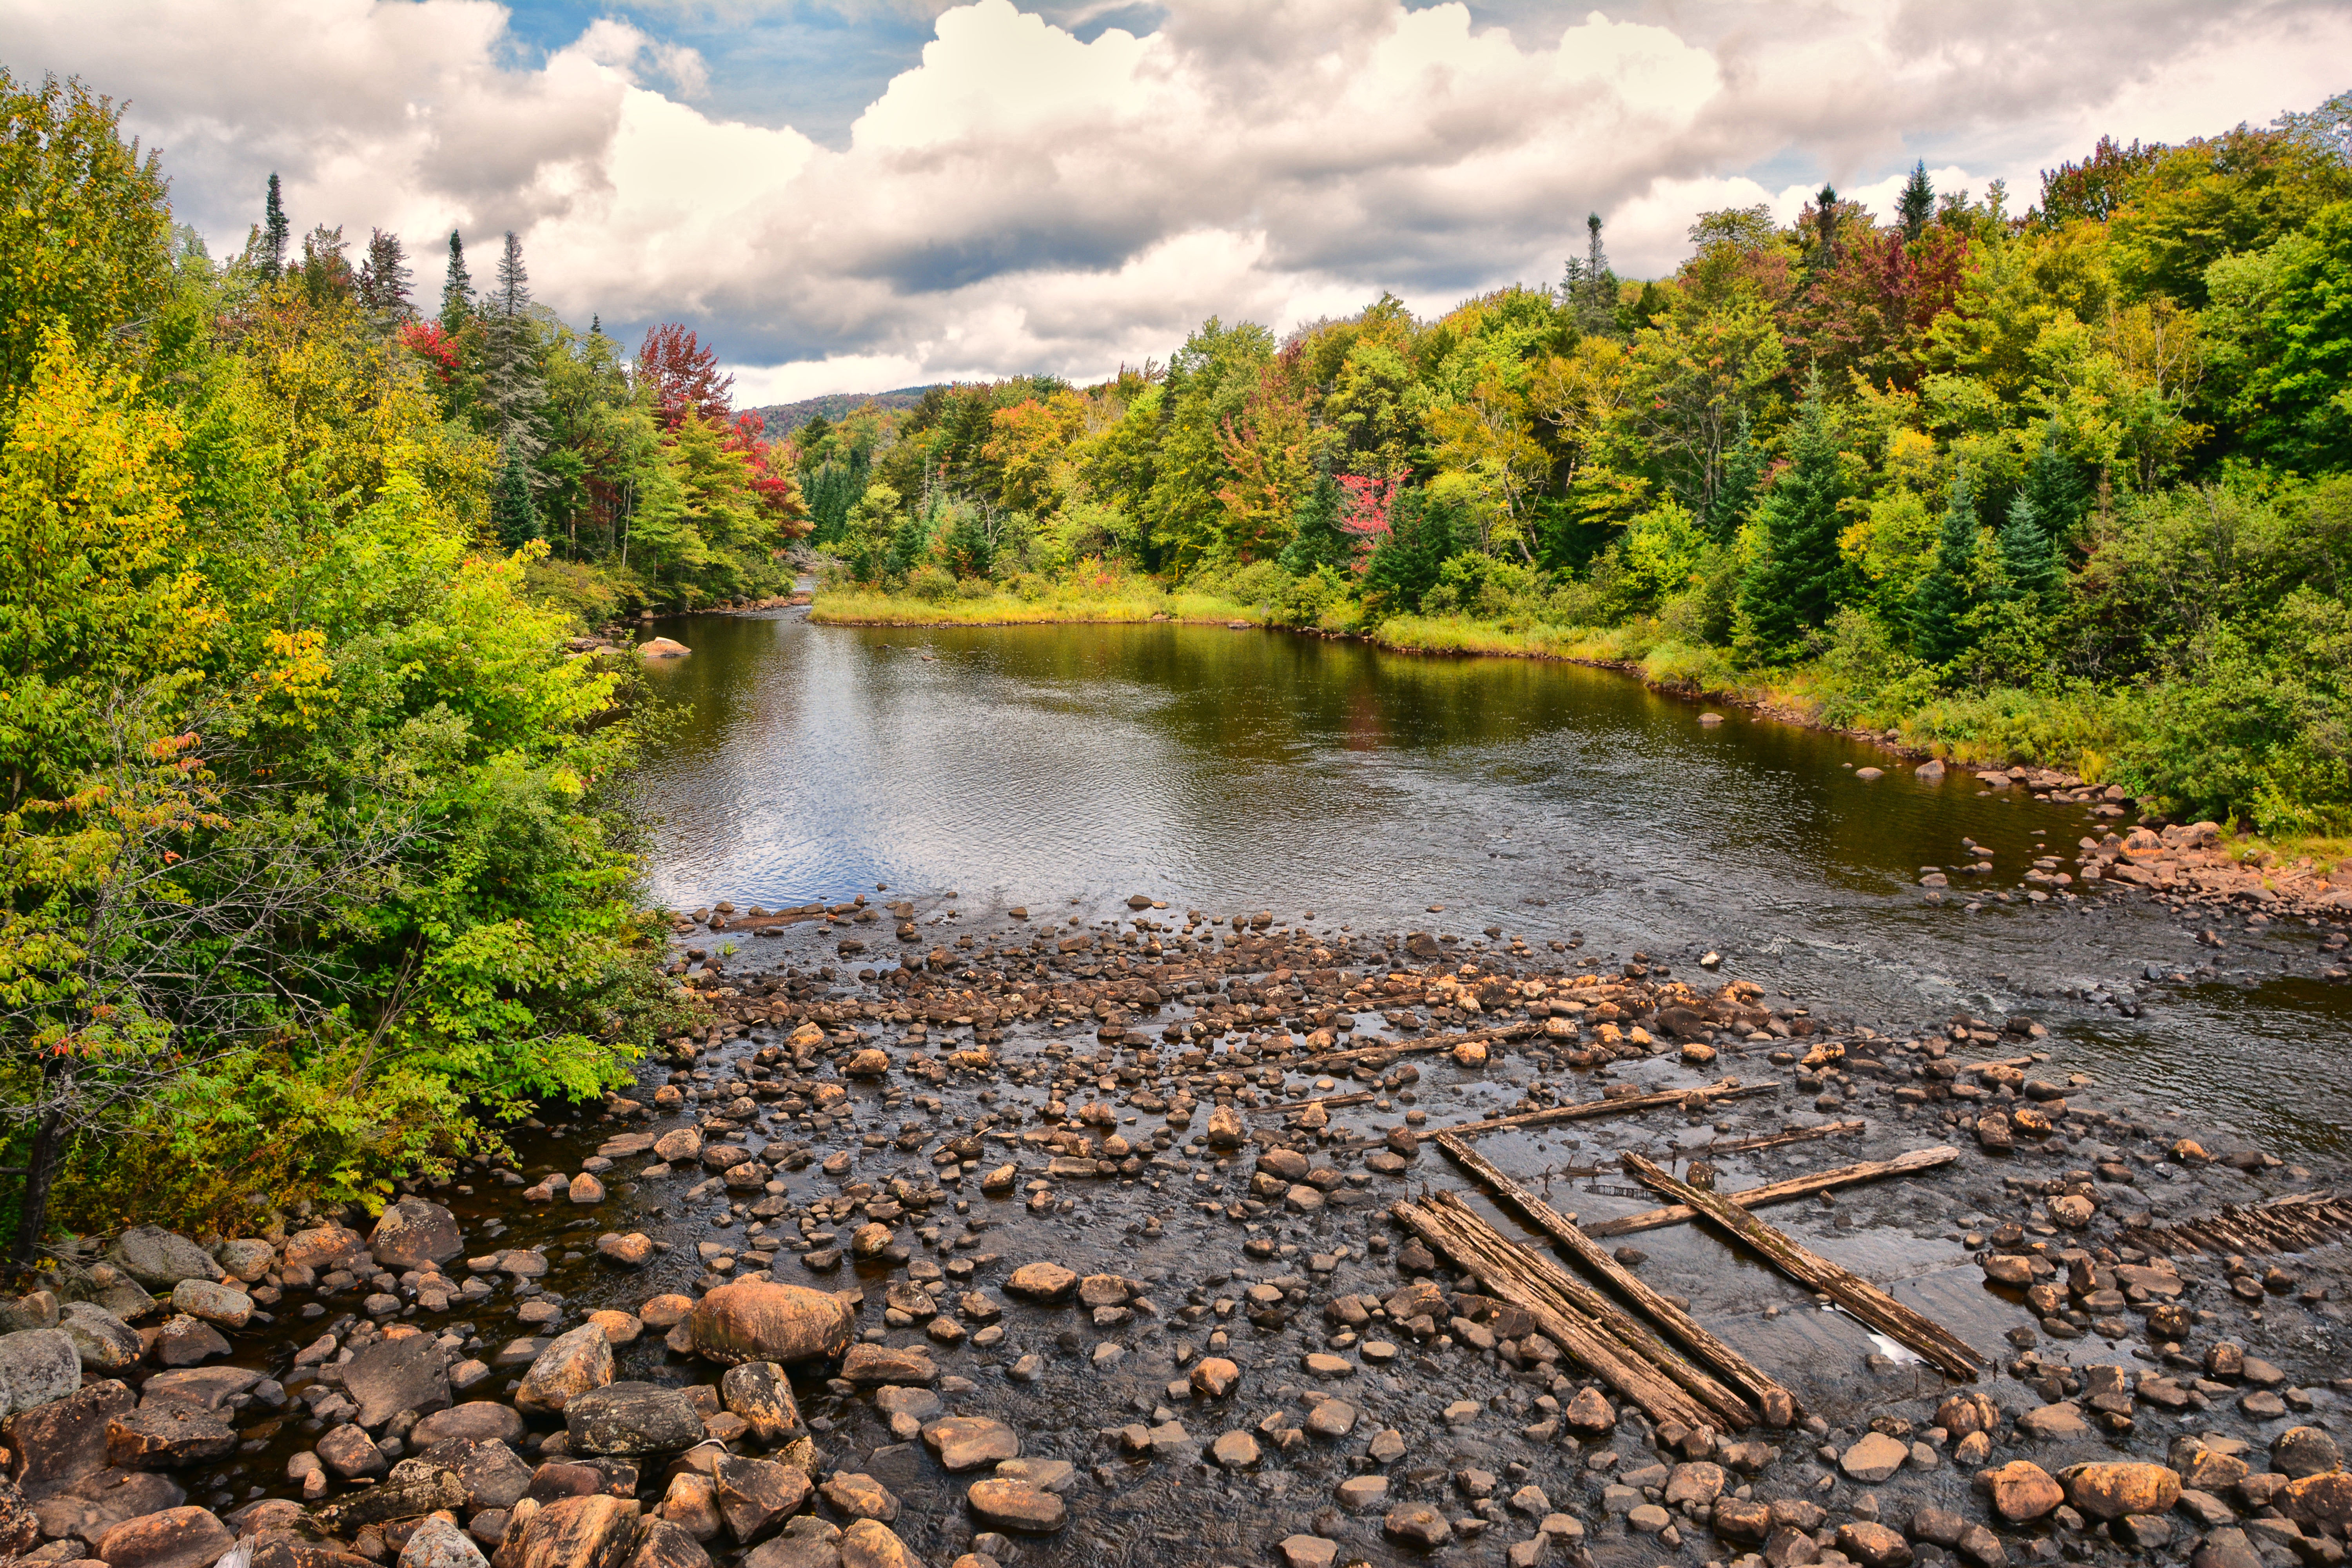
x,y
1111,1241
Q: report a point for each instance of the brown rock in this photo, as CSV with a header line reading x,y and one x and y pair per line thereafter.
x,y
874,1366
756,1495
1049,1283
164,1437
1874,1545
572,1532
392,1375
759,1392
415,1234
2318,1502
661,1544
759,1320
174,1538
2110,1490
870,1544
1017,1506
65,1439
477,1420
968,1442
573,1363
2023,1490
859,1496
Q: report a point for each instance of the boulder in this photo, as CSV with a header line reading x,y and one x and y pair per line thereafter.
x,y
415,1234
597,1531
349,1453
172,1538
392,1375
493,1475
479,1420
868,1543
437,1543
2317,1502
756,1495
661,1544
1048,1283
37,1366
570,1366
759,1320
325,1248
207,1388
61,1442
2111,1489
630,1420
969,1442
2023,1490
759,1392
104,1342
224,1305
874,1365
1874,1545
20,1526
858,1496
1017,1506
807,1542
248,1260
159,1259
166,1438
2301,1451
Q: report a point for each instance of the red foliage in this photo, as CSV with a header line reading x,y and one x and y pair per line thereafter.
x,y
428,342
684,375
1365,513
770,464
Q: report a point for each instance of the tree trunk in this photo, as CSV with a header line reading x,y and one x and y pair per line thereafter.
x,y
40,1171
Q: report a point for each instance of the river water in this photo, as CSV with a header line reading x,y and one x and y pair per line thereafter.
x,y
1065,768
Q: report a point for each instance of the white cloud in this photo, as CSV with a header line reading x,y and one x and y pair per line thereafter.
x,y
1022,199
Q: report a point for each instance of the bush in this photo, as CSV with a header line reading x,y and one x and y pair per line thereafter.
x,y
930,582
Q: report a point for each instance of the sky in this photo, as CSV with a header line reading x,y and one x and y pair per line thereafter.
x,y
851,196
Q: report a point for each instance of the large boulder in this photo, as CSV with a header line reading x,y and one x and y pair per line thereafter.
x,y
166,1438
392,1375
493,1474
437,1543
573,1532
756,1495
627,1420
174,1538
570,1366
37,1366
224,1305
759,1320
324,1248
159,1260
61,1442
759,1392
104,1342
480,1420
414,1234
2111,1490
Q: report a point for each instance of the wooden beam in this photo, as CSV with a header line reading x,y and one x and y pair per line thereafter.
x,y
1783,1192
1850,1290
1776,1403
1598,1352
1585,1109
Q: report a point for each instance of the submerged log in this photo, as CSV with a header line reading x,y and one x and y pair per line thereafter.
x,y
1778,1404
1783,1192
1584,1110
1858,1296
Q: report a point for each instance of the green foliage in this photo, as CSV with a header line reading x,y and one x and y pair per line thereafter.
x,y
514,519
1793,584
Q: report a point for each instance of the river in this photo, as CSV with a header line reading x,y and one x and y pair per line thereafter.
x,y
1234,771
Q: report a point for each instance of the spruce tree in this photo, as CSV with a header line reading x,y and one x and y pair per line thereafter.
x,y
385,277
512,384
1589,289
274,233
1793,584
2029,558
1918,203
1939,605
457,289
1735,488
1317,538
2057,487
512,516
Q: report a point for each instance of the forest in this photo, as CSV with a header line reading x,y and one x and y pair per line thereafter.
x,y
2064,485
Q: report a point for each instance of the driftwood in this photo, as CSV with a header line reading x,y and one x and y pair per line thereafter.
x,y
1504,1269
1778,1404
1584,1110
1783,1192
1426,1043
1850,1290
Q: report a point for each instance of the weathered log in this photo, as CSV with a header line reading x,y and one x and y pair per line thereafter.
x,y
1784,1190
1776,1403
1584,1110
1500,1267
1850,1290
1426,1043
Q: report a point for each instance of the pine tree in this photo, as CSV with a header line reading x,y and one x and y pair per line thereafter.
x,y
1735,489
1317,538
1939,605
2057,487
512,516
457,289
512,385
274,233
1793,584
2028,556
1589,289
385,277
1918,203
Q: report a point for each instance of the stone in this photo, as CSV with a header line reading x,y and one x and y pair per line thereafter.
x,y
1234,1450
1333,1418
104,1342
65,1439
1046,1283
586,1189
1647,1518
166,1438
1307,1551
1213,1377
759,1320
2111,1489
1589,1414
572,1364
349,1452
2226,1548
968,1442
634,1250
171,1538
665,1312
661,1544
594,1532
2301,1451
807,1542
2022,1491
392,1375
2059,1422
324,1249
415,1234
1017,1506
1226,1128
760,1392
480,1420
493,1475
2322,1502
692,1504
437,1543
873,1365
1875,1458
1742,1520
1874,1545
159,1259
628,1420
1361,1494
224,1305
1417,1525
868,1543
858,1496
37,1366
1695,1482
756,1495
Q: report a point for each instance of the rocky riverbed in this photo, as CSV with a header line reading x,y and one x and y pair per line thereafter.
x,y
1077,1240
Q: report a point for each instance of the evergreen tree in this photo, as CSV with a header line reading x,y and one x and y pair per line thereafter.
x,y
457,289
1820,250
1793,584
2029,557
512,516
274,233
385,277
2057,487
1735,488
1939,606
513,386
1589,289
1918,203
1317,539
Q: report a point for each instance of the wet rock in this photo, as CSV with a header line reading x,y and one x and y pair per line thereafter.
x,y
62,1441
584,1189
968,1442
392,1375
630,1419
1993,1134
1226,1130
166,1438
871,1062
634,1250
1016,1506
1235,1451
760,1392
1875,1458
665,1312
2317,1502
172,1538
870,1544
1046,1283
874,1365
437,1543
1874,1545
858,1496
1417,1525
37,1366
415,1234
2110,1490
759,1320
325,1249
756,1495
2302,1451
2022,1491
679,1146
349,1452
572,1364
103,1342
806,1542
159,1260
1589,1414
572,1532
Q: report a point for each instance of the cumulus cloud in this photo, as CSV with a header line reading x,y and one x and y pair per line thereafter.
x,y
1023,197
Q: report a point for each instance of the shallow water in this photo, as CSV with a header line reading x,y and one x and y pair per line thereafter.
x,y
1064,768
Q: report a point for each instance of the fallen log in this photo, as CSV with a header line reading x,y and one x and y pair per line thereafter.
x,y
1425,1044
1783,1192
1776,1403
1584,1110
1857,1295
1500,1267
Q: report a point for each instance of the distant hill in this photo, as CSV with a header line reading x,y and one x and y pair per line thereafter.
x,y
783,419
